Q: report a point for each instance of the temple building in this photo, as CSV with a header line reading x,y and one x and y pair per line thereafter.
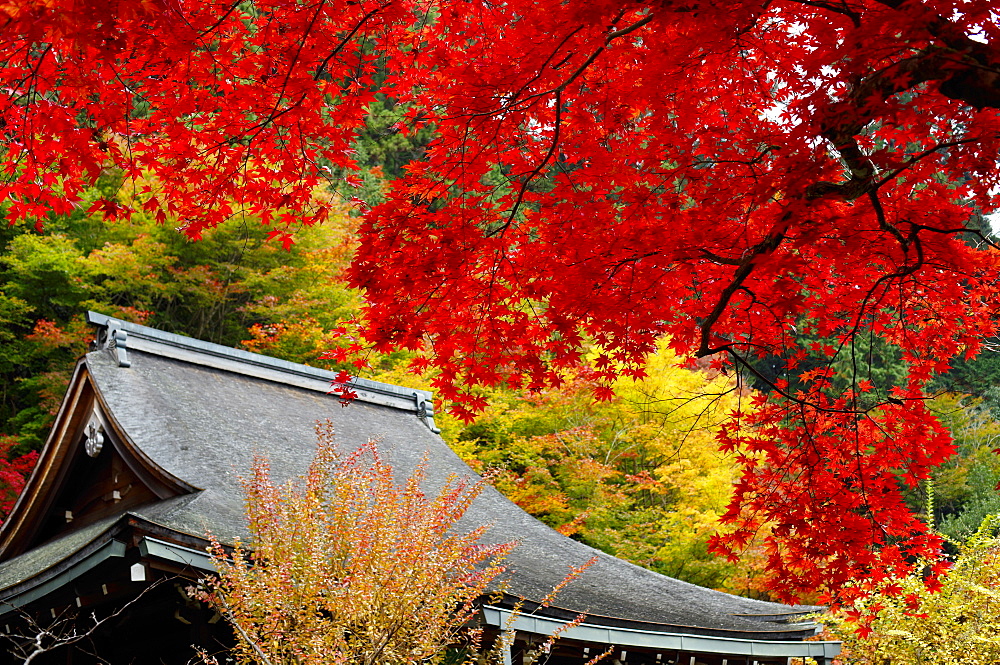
x,y
142,463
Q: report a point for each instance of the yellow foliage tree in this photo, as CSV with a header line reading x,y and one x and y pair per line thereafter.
x,y
639,476
950,619
345,565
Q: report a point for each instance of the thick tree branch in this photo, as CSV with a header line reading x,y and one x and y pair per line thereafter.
x,y
972,83
514,102
965,70
768,245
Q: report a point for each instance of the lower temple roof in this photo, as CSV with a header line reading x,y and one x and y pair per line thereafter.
x,y
188,417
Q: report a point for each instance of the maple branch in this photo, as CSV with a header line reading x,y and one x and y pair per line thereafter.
x,y
32,75
536,171
859,166
923,155
607,42
557,91
883,223
515,103
253,131
902,271
768,245
978,82
716,258
31,78
965,69
703,161
955,231
222,19
841,8
291,66
632,28
616,267
343,42
953,36
541,69
859,112
741,361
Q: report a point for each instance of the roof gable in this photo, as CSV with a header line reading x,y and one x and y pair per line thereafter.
x,y
88,470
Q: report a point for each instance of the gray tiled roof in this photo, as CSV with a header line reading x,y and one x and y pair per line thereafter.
x,y
202,423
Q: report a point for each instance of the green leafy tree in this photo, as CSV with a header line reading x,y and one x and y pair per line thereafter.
x,y
232,287
964,490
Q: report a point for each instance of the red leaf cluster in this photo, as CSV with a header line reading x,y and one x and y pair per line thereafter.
x,y
827,478
736,177
733,175
235,110
14,472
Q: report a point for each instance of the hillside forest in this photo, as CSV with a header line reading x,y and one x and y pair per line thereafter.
x,y
639,475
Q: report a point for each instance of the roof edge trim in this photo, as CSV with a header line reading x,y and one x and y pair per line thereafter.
x,y
186,556
120,336
113,549
46,467
506,619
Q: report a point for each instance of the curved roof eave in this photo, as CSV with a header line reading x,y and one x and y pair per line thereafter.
x,y
506,619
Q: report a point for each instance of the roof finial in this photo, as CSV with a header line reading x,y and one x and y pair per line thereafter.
x,y
117,341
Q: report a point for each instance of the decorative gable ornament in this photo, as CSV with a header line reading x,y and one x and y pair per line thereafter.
x,y
93,442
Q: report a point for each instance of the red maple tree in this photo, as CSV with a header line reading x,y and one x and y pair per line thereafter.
x,y
14,472
738,176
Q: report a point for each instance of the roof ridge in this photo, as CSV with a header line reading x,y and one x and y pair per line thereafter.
x,y
119,336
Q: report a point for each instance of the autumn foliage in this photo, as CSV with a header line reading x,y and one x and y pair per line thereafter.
x,y
906,621
345,565
14,470
639,476
736,177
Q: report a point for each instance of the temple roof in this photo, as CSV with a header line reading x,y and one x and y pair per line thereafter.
x,y
186,418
